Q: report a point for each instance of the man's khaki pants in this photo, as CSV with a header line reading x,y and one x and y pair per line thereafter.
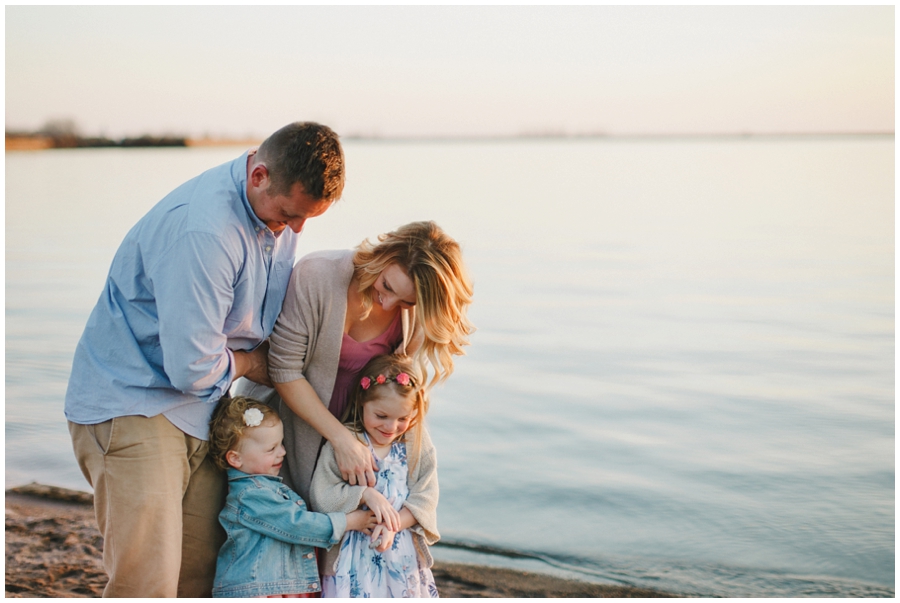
x,y
157,498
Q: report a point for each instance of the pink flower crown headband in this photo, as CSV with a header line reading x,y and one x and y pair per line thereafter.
x,y
400,379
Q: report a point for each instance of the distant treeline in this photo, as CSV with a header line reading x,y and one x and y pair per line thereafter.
x,y
140,141
74,141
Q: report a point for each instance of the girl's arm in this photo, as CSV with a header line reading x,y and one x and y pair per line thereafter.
x,y
384,510
354,460
406,519
419,510
328,491
266,511
361,521
423,489
386,535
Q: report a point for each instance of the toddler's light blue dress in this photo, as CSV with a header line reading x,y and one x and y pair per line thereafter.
x,y
364,572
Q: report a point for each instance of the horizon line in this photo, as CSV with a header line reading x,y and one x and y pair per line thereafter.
x,y
207,140
562,135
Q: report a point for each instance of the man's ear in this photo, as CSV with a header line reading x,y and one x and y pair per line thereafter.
x,y
259,176
233,458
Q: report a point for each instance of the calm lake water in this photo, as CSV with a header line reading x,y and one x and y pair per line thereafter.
x,y
683,375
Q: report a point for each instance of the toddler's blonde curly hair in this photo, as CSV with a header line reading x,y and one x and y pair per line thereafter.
x,y
226,428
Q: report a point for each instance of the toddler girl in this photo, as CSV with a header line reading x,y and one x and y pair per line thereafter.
x,y
386,410
269,551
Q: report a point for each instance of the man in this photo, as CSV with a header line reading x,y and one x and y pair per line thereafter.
x,y
192,294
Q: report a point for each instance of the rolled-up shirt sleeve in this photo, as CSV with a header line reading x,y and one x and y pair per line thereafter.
x,y
193,283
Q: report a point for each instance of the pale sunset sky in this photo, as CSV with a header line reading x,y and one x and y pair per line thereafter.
x,y
451,71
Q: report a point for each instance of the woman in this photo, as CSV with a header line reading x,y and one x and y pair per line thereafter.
x,y
407,294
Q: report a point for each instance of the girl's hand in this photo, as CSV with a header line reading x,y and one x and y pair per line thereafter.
x,y
354,460
384,512
386,537
361,521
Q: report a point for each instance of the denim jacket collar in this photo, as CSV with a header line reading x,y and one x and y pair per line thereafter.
x,y
236,474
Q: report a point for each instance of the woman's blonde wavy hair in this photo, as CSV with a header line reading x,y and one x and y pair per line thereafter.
x,y
435,265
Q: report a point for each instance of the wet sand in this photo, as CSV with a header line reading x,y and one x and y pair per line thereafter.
x,y
53,549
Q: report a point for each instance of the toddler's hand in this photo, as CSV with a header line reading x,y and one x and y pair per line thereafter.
x,y
384,511
361,521
382,538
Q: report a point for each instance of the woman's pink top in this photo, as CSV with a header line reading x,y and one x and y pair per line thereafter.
x,y
355,355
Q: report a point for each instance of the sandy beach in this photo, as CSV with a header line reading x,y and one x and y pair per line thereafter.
x,y
53,549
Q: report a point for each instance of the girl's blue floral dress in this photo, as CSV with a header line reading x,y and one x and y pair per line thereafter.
x,y
364,572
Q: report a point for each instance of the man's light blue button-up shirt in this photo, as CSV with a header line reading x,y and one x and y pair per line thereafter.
x,y
197,277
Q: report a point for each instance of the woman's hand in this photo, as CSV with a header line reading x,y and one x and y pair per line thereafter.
x,y
385,513
355,461
353,457
382,538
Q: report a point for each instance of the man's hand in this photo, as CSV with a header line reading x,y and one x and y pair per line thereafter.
x,y
254,365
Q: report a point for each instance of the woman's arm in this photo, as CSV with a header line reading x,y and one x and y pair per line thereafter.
x,y
288,349
353,457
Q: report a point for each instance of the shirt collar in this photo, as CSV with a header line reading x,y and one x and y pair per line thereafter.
x,y
239,174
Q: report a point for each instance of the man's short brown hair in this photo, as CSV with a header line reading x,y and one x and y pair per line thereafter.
x,y
308,153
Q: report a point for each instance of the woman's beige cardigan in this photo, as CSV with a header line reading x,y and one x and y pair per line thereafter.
x,y
306,344
331,494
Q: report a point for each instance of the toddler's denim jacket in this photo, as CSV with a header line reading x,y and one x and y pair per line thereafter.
x,y
271,535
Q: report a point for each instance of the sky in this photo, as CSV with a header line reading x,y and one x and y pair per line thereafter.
x,y
239,71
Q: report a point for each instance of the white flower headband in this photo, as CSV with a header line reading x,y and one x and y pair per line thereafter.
x,y
253,417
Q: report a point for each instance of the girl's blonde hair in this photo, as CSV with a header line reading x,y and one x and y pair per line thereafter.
x,y
226,428
368,386
434,263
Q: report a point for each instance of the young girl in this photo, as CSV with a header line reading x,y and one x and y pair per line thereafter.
x,y
386,411
269,551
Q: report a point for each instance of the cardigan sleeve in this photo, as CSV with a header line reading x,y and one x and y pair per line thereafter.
x,y
289,341
306,340
328,492
423,490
